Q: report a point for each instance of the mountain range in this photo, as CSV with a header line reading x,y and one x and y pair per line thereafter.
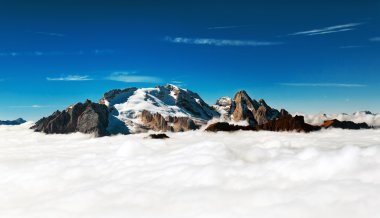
x,y
12,122
166,108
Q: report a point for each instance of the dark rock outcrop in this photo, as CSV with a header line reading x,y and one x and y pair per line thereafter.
x,y
12,122
158,136
288,123
344,124
284,123
226,127
85,117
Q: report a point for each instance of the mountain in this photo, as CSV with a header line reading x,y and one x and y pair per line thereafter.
x,y
132,110
170,108
87,117
344,124
243,109
163,108
12,122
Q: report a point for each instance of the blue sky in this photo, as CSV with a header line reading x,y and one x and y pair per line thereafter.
x,y
307,56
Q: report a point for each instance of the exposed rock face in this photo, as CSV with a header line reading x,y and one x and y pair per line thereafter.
x,y
85,117
157,122
154,121
285,123
243,108
288,123
344,124
181,124
12,122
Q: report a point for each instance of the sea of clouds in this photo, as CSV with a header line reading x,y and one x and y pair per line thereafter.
x,y
330,173
372,119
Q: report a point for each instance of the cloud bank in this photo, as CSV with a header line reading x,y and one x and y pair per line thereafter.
x,y
328,30
329,174
357,117
219,42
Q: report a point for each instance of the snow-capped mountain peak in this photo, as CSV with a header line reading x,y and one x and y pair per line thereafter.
x,y
169,101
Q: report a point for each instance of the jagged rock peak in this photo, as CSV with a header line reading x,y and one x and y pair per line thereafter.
x,y
263,103
243,108
87,117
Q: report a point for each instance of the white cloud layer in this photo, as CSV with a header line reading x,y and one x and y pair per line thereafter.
x,y
346,85
328,30
329,174
70,78
357,117
219,42
131,77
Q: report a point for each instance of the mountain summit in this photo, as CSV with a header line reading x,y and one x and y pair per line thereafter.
x,y
162,108
243,109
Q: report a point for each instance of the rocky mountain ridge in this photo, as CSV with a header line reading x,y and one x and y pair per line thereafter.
x,y
166,108
12,122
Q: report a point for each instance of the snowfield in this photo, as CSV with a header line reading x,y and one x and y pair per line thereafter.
x,y
326,174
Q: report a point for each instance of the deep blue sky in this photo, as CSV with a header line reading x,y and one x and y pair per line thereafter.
x,y
307,56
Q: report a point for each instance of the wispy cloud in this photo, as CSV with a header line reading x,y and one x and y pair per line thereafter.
x,y
70,78
178,83
50,34
328,30
103,51
31,106
132,77
227,27
351,46
56,53
219,42
375,39
343,85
